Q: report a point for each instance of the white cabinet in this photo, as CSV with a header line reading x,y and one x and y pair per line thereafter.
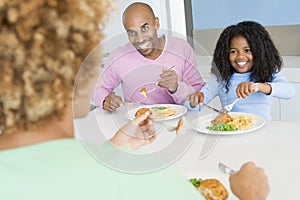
x,y
290,109
275,111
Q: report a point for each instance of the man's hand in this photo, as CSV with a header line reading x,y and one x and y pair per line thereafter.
x,y
135,133
112,102
169,80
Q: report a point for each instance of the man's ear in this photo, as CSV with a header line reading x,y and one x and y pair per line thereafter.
x,y
156,23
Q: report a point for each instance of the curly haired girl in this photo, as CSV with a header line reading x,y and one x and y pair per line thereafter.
x,y
246,65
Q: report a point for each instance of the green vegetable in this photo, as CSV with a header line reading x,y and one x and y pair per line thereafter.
x,y
196,182
221,127
159,108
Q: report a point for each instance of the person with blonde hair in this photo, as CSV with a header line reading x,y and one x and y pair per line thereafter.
x,y
42,45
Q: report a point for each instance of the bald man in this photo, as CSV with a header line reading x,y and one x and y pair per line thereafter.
x,y
162,64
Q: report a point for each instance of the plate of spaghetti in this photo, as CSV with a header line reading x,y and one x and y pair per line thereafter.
x,y
160,112
228,124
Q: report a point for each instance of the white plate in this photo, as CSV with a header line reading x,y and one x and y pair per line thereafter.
x,y
202,122
180,110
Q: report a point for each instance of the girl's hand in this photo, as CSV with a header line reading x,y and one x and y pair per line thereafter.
x,y
195,99
135,133
245,89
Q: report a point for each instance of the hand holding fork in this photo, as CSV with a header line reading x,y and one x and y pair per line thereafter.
x,y
229,107
167,74
250,180
198,97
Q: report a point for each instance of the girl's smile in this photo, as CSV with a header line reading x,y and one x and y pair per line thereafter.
x,y
240,55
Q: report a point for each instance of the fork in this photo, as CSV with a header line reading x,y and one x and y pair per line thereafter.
x,y
156,83
225,169
154,88
229,107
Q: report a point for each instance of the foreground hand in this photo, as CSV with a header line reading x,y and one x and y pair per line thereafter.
x,y
169,80
112,102
135,133
195,99
245,89
250,183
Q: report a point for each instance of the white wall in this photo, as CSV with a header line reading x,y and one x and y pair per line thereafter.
x,y
115,26
170,13
176,16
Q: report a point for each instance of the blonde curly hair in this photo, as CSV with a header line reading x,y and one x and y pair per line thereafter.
x,y
42,45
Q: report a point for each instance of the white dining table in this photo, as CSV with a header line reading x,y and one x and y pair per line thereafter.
x,y
275,147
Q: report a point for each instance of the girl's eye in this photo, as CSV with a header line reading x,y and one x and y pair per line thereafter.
x,y
232,51
247,50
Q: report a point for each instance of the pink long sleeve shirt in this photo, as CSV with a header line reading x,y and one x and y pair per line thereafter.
x,y
126,66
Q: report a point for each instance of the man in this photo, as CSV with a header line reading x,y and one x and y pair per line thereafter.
x,y
162,64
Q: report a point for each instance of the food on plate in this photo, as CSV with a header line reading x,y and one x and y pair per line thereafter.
x,y
158,112
211,189
221,127
241,122
195,181
143,91
142,111
222,118
179,124
226,122
162,112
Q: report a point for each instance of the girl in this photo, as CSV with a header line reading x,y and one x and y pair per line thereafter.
x,y
246,65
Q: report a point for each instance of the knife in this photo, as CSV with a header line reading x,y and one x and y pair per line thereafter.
x,y
214,109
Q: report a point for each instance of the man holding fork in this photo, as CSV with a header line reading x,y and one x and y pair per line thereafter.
x,y
164,65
